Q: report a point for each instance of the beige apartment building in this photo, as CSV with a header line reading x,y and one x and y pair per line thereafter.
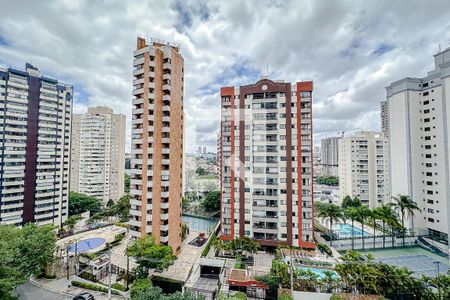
x,y
266,167
157,142
364,168
98,154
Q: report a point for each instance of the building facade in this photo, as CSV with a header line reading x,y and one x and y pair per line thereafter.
x,y
157,143
266,163
419,135
98,154
330,156
384,115
364,168
35,124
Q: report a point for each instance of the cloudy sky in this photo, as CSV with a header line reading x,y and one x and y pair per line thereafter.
x,y
350,49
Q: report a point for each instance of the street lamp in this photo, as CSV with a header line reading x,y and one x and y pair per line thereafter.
x,y
437,279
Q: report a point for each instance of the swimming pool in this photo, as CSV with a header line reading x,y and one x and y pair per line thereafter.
x,y
344,230
199,224
86,245
318,271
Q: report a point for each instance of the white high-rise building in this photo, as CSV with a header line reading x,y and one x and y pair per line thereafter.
x,y
98,154
419,135
384,116
364,168
330,156
35,123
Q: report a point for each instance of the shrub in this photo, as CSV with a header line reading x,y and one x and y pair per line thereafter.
x,y
208,245
119,287
93,287
324,249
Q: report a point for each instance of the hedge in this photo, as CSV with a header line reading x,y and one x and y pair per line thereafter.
x,y
93,287
119,287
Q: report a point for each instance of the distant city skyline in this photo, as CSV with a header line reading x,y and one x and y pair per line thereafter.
x,y
352,57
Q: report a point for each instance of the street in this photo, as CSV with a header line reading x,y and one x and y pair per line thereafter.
x,y
30,291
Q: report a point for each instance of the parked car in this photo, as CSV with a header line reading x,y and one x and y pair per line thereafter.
x,y
84,296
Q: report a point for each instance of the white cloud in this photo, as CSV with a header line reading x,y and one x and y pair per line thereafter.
x,y
351,50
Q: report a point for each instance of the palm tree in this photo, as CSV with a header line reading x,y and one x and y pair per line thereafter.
x,y
332,212
352,214
386,215
363,213
403,204
374,216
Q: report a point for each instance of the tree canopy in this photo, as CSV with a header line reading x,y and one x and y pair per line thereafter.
x,y
211,201
328,180
119,209
150,255
348,202
80,203
142,289
23,252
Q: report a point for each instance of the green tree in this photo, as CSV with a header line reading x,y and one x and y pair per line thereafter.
x,y
72,221
352,214
332,213
80,203
200,171
211,201
349,202
405,206
387,216
23,252
127,183
150,255
142,289
363,214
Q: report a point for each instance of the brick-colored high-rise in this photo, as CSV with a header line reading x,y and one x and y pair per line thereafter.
x,y
157,142
266,169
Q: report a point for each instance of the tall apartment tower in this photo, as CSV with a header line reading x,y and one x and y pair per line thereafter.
x,y
35,122
98,154
419,135
266,163
384,115
364,168
330,156
157,142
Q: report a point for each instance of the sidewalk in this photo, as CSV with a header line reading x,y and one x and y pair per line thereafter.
x,y
60,286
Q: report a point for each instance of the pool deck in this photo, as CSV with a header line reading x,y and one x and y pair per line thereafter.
x,y
185,260
107,233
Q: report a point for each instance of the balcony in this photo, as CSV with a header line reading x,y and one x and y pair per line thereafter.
x,y
166,108
166,66
138,61
166,87
165,205
164,216
164,194
138,72
167,76
138,101
138,91
166,97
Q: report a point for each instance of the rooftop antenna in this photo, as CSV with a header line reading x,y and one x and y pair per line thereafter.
x,y
267,67
439,47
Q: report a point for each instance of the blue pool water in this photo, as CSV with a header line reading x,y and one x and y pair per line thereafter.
x,y
344,230
318,271
199,224
87,244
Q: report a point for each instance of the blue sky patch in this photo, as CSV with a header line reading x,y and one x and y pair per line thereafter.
x,y
382,48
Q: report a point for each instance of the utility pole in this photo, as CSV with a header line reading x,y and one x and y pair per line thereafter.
x,y
109,273
67,264
128,265
292,275
439,286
